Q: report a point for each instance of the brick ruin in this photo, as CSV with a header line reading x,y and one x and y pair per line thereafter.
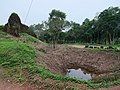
x,y
14,25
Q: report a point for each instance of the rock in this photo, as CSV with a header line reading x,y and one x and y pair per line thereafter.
x,y
14,25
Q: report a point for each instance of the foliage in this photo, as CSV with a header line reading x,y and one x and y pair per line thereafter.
x,y
29,38
108,25
3,35
56,24
1,27
103,29
51,30
36,30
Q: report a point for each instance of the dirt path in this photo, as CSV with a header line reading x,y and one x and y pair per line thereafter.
x,y
112,88
7,85
83,46
77,46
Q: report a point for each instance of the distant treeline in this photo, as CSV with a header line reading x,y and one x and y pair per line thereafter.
x,y
103,29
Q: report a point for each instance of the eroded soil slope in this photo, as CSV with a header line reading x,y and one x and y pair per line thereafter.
x,y
64,57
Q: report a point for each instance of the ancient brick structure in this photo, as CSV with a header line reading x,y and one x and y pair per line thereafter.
x,y
14,25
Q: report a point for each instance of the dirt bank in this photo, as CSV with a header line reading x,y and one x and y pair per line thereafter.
x,y
64,57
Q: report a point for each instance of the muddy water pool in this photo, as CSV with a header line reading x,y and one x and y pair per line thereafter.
x,y
79,74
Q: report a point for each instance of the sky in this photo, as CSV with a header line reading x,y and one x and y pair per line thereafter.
x,y
76,10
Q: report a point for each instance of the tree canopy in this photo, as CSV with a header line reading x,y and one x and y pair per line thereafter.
x,y
103,29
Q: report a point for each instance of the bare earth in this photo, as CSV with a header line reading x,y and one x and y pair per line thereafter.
x,y
7,85
112,88
64,57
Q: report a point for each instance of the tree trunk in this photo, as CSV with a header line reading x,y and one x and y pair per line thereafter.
x,y
53,41
110,39
113,39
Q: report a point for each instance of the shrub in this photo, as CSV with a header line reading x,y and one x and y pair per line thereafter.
x,y
110,47
102,47
1,27
86,46
91,47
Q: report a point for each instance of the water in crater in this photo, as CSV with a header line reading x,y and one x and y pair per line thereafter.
x,y
79,74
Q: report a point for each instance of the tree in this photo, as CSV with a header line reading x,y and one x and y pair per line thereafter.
x,y
56,24
107,23
88,31
103,29
1,27
73,35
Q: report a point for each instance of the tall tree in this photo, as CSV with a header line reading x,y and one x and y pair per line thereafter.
x,y
107,24
56,24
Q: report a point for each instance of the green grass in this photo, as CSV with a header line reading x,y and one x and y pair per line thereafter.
x,y
117,45
29,38
91,44
108,78
3,35
105,50
24,37
16,56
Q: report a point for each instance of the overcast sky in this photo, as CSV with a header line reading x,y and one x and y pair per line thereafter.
x,y
76,10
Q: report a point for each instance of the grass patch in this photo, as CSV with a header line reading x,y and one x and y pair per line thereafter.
x,y
108,78
107,50
14,54
117,46
3,35
29,38
105,85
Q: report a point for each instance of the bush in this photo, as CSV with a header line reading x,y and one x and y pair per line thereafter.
x,y
86,46
91,47
102,47
117,41
1,27
95,47
42,50
110,47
